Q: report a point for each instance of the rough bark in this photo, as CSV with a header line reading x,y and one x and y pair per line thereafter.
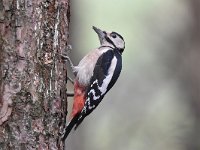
x,y
33,103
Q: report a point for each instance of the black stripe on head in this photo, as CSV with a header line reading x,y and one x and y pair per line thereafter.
x,y
110,41
118,35
121,50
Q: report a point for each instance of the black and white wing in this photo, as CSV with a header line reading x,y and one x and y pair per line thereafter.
x,y
106,73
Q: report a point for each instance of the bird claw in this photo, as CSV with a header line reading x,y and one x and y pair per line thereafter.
x,y
67,50
66,58
62,134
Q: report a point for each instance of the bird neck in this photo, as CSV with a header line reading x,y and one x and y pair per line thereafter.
x,y
106,46
120,51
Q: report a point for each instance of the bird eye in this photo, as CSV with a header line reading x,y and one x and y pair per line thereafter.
x,y
113,35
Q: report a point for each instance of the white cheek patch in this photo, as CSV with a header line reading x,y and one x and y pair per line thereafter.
x,y
120,44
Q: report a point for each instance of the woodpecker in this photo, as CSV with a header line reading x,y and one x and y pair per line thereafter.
x,y
95,74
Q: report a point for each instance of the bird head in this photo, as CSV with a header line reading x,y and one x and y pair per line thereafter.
x,y
111,39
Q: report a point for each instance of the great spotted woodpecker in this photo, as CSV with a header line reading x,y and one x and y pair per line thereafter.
x,y
96,73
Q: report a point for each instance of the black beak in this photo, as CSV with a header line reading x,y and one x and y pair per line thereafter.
x,y
100,33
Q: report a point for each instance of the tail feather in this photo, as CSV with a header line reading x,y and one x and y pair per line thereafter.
x,y
70,126
79,121
79,101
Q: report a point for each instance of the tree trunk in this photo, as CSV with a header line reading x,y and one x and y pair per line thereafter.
x,y
33,104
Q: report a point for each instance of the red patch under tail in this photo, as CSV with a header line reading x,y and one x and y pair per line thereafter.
x,y
79,98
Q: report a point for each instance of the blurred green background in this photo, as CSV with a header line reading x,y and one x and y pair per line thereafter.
x,y
155,103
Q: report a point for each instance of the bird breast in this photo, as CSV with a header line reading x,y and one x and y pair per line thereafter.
x,y
86,66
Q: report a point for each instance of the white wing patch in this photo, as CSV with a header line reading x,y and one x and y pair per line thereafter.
x,y
94,95
108,78
106,81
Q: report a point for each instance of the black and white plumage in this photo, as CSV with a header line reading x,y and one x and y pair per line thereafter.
x,y
96,74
